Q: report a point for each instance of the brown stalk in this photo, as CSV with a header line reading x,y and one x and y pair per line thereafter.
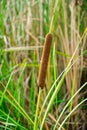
x,y
44,60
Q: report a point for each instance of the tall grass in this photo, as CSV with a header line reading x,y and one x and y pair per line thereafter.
x,y
23,27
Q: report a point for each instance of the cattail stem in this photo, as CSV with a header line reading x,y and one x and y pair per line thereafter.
x,y
44,60
37,110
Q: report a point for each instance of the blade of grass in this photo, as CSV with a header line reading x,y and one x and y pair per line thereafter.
x,y
17,105
2,113
2,127
69,103
71,113
5,89
52,99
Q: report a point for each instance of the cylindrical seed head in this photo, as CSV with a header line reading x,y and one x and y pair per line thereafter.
x,y
44,60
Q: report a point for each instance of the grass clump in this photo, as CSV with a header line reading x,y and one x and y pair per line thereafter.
x,y
61,100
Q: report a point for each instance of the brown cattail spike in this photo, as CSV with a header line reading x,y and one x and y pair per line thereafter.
x,y
44,60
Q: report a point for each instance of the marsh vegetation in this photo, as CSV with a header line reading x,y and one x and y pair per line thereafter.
x,y
61,103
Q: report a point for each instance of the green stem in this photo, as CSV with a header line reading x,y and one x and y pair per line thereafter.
x,y
37,109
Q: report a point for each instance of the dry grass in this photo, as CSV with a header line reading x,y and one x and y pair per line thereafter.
x,y
26,24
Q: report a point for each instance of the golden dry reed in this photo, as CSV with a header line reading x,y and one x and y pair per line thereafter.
x,y
44,60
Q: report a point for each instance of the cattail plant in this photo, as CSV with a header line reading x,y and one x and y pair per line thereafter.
x,y
42,73
44,60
